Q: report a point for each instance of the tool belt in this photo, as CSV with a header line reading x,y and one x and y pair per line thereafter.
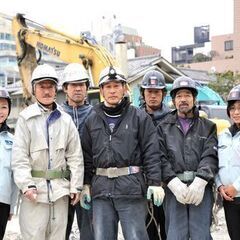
x,y
187,176
114,172
51,174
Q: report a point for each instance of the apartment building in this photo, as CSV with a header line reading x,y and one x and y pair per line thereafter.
x,y
225,49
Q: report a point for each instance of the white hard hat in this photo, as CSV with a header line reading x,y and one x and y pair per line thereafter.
x,y
111,74
75,72
43,72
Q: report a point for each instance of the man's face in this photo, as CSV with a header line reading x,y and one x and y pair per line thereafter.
x,y
4,109
113,93
234,112
153,97
184,101
76,93
45,92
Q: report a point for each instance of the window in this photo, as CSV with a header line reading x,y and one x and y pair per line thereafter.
x,y
8,36
228,45
12,59
14,102
2,80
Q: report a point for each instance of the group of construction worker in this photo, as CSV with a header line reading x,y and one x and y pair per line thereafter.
x,y
148,168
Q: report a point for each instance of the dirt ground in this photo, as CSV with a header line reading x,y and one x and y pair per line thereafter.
x,y
219,232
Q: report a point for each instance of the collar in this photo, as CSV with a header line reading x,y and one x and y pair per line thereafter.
x,y
4,127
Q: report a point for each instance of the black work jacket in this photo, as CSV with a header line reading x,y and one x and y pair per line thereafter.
x,y
133,142
194,151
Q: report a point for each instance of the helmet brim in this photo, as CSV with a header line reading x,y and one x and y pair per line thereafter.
x,y
119,79
174,91
152,87
55,80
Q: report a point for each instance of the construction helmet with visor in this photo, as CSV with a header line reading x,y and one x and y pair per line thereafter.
x,y
109,74
75,72
153,79
183,82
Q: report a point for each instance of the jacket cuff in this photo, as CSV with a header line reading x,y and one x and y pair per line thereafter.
x,y
12,206
74,190
87,180
153,183
202,177
169,179
28,187
236,185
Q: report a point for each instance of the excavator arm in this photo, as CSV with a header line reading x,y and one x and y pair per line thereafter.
x,y
31,37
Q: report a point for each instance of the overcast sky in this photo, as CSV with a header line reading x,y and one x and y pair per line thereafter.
x,y
161,23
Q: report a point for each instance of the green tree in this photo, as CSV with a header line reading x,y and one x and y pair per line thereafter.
x,y
224,83
200,57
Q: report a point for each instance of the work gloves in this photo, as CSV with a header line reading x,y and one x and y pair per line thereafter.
x,y
158,194
179,189
196,191
85,197
192,194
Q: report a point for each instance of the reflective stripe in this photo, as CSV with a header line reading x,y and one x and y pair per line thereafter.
x,y
187,176
114,172
51,174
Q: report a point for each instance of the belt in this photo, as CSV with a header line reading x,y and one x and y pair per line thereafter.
x,y
114,172
51,174
187,176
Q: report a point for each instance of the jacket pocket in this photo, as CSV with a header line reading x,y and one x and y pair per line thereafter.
x,y
38,153
7,145
60,149
224,154
132,185
98,135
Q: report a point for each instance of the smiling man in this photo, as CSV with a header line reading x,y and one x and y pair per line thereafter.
x,y
189,146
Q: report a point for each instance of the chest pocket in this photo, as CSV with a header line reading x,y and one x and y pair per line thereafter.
x,y
7,148
98,135
8,144
223,152
59,148
38,152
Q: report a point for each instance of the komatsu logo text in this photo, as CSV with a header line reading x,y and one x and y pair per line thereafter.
x,y
46,48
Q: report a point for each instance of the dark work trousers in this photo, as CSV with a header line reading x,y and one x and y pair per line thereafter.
x,y
4,214
188,221
84,221
130,212
152,229
232,215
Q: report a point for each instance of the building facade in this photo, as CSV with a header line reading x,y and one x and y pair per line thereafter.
x,y
185,54
135,45
225,49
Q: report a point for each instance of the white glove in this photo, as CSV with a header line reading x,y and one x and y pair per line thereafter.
x,y
179,189
196,191
158,194
85,197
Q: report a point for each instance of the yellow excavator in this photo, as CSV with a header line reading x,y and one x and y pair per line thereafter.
x,y
32,37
